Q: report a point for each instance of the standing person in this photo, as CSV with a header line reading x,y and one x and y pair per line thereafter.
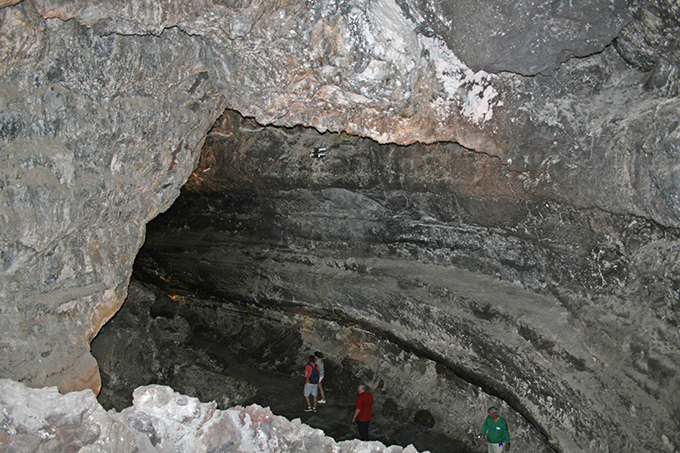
x,y
364,411
311,383
319,362
496,430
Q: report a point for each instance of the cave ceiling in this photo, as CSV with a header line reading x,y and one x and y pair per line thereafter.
x,y
531,151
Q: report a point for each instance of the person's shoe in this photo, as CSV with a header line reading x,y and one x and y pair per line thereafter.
x,y
322,401
309,409
314,409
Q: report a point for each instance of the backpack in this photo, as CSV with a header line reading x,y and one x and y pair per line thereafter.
x,y
314,376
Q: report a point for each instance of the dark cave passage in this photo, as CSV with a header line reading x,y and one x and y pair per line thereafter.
x,y
446,295
264,353
330,254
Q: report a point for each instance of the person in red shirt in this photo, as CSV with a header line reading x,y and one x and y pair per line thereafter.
x,y
311,382
364,411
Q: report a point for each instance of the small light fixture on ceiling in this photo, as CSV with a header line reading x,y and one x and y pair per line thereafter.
x,y
318,153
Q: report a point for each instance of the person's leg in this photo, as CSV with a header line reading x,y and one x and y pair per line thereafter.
x,y
494,448
362,427
323,395
314,392
306,392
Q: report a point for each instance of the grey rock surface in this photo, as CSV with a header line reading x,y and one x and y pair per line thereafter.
x,y
373,70
91,149
523,37
650,41
141,346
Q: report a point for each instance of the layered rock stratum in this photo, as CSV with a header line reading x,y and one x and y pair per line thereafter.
x,y
566,125
445,253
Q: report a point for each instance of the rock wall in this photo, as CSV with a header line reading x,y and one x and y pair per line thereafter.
x,y
140,346
104,108
93,146
238,347
539,303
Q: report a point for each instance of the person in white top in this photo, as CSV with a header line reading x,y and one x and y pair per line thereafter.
x,y
319,361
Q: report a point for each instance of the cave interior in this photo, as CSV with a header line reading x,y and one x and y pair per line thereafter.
x,y
460,204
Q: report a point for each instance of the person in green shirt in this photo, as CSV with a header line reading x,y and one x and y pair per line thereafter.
x,y
496,430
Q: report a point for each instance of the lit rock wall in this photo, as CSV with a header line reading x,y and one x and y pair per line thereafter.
x,y
394,71
93,145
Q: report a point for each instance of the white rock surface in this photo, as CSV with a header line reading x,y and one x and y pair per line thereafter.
x,y
160,420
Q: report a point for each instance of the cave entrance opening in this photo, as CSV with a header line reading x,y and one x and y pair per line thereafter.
x,y
269,255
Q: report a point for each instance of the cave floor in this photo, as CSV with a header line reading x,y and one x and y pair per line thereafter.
x,y
283,395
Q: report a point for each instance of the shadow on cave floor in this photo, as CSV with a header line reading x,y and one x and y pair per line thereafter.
x,y
283,395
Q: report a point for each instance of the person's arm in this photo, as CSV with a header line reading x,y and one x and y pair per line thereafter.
x,y
360,402
506,438
484,429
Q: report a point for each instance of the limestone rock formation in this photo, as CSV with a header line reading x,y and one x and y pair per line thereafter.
x,y
571,192
160,420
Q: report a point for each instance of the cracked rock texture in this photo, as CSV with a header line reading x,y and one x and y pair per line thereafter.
x,y
571,184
